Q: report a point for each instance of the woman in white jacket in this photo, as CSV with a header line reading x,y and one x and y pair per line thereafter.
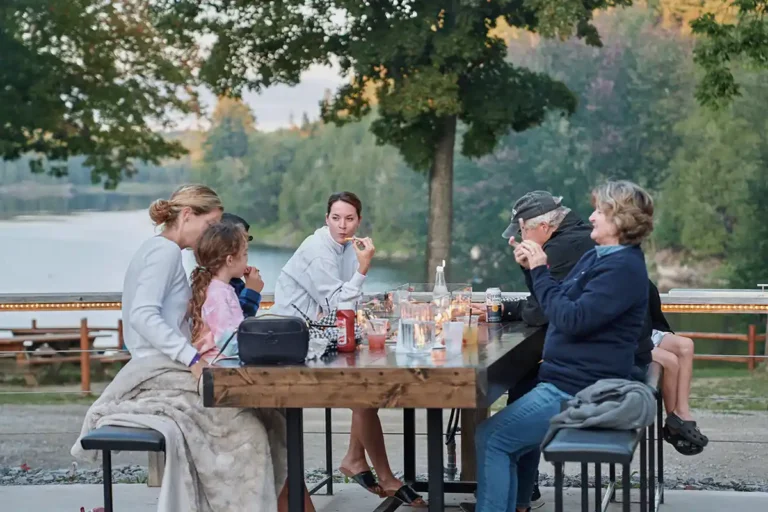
x,y
328,268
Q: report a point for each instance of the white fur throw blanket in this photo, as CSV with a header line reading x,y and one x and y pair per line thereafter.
x,y
217,459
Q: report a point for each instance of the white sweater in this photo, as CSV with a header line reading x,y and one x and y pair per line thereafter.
x,y
155,297
321,273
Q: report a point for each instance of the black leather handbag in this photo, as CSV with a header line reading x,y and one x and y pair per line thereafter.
x,y
273,340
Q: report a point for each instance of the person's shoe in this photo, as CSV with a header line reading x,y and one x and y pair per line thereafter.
x,y
467,507
536,501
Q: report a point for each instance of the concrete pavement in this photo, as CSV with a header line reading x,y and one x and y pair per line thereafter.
x,y
347,497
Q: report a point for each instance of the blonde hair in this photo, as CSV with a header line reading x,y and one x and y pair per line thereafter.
x,y
199,198
628,206
216,243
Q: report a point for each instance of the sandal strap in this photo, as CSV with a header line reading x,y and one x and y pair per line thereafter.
x,y
367,479
406,494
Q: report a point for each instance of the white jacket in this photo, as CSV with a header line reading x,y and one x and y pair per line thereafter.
x,y
319,275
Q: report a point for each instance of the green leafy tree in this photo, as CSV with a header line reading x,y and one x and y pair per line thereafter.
x,y
233,122
91,78
632,93
734,36
432,64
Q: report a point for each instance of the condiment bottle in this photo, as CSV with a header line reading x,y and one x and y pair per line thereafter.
x,y
345,321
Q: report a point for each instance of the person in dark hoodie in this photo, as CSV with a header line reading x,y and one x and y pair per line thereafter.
x,y
596,315
675,354
248,291
564,237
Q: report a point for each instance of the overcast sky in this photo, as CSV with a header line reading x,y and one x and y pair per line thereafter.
x,y
273,107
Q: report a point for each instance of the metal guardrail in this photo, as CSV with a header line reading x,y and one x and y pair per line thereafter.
x,y
677,300
713,301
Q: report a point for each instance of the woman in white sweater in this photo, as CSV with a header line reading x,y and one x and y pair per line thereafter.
x,y
156,290
325,270
217,458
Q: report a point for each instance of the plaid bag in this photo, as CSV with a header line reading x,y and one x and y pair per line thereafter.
x,y
325,328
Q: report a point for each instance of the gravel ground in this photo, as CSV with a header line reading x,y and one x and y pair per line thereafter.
x,y
39,437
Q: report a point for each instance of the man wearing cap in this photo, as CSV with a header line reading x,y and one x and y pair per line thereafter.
x,y
540,217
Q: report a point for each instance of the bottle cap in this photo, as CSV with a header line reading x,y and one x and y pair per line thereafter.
x,y
344,306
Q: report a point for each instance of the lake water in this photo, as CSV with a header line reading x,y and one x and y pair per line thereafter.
x,y
89,252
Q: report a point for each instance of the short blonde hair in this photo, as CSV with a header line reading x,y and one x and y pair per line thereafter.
x,y
629,207
199,198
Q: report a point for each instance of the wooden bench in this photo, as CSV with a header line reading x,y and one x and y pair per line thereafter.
x,y
61,341
26,357
603,446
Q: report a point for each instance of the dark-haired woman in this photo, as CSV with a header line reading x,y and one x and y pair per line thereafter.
x,y
325,270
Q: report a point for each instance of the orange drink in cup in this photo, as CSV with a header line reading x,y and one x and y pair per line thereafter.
x,y
377,329
470,329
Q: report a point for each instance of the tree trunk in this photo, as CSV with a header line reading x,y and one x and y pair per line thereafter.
x,y
441,200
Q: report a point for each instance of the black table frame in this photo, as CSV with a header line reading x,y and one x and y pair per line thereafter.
x,y
500,379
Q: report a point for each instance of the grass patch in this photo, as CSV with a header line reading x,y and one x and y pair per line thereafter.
x,y
44,398
738,391
718,389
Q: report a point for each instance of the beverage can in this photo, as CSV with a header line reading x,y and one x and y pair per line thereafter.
x,y
493,305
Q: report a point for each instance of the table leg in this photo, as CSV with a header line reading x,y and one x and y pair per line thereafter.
x,y
470,418
435,460
295,427
409,445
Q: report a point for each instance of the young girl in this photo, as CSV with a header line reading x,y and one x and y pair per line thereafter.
x,y
222,255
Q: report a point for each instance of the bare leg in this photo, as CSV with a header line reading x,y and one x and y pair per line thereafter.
x,y
669,383
282,500
355,460
683,349
366,427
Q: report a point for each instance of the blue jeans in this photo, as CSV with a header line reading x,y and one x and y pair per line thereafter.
x,y
508,449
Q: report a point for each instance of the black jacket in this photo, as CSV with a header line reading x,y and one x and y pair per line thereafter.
x,y
653,320
564,249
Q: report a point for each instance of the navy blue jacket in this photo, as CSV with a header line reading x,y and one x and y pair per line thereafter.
x,y
595,318
250,300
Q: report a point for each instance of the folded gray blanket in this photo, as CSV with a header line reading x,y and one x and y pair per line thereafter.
x,y
610,404
217,459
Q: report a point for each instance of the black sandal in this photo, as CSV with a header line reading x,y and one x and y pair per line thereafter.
x,y
408,497
686,429
681,444
366,480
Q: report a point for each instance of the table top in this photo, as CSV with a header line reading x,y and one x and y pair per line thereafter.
x,y
474,377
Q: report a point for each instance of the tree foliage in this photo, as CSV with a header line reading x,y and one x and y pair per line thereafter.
x,y
94,78
638,120
426,60
730,38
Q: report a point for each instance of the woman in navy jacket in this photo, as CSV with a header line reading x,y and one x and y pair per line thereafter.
x,y
595,318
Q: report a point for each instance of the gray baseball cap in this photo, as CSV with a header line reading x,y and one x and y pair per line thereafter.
x,y
529,206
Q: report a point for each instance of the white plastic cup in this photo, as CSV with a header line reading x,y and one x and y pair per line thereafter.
x,y
452,336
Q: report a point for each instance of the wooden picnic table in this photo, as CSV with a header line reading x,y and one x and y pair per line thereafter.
x,y
472,379
17,342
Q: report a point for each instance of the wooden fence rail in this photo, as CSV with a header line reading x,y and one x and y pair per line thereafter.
x,y
751,338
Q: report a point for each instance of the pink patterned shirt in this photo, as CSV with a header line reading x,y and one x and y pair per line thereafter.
x,y
222,315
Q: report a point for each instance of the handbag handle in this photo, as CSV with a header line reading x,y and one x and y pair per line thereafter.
x,y
221,352
275,315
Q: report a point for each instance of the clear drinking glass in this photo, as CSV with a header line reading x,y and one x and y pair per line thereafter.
x,y
461,303
417,327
